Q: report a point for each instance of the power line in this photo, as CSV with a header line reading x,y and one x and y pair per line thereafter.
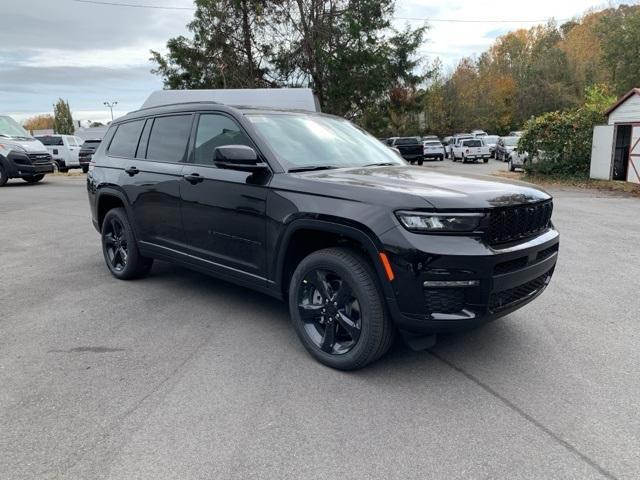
x,y
131,5
422,19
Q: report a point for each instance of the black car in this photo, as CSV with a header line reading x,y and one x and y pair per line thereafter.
x,y
87,150
410,148
310,209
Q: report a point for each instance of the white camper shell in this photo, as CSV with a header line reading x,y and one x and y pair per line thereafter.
x,y
278,98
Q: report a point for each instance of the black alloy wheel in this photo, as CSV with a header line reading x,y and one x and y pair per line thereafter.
x,y
331,313
337,308
120,248
115,242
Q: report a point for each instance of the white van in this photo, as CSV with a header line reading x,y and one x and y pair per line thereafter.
x,y
21,155
64,149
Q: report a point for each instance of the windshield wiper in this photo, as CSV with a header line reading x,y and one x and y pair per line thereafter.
x,y
311,168
381,164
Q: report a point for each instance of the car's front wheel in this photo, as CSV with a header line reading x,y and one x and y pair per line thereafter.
x,y
337,309
33,178
120,248
3,176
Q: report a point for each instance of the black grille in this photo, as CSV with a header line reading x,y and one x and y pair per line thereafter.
x,y
444,300
40,157
506,298
513,223
510,265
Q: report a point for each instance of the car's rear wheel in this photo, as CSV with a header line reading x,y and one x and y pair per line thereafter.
x,y
85,168
33,178
337,309
485,160
3,176
120,248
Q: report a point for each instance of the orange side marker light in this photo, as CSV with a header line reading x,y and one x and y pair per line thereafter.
x,y
387,266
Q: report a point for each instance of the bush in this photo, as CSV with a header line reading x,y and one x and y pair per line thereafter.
x,y
561,141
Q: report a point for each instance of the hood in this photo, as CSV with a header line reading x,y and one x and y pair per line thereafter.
x,y
31,146
442,190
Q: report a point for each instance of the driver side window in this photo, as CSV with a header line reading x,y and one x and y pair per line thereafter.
x,y
215,130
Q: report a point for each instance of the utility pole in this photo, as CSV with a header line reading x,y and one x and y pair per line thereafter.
x,y
110,106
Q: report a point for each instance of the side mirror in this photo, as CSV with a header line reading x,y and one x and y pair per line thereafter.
x,y
237,157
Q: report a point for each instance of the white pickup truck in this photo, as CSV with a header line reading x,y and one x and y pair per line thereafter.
x,y
471,149
65,150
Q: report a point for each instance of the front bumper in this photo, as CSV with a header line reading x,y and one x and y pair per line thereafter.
x,y
503,279
22,165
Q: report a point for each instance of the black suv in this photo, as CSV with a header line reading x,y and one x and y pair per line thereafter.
x,y
309,208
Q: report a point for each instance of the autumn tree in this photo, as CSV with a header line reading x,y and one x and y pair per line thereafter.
x,y
39,122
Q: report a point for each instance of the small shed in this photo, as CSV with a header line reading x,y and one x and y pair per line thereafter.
x,y
615,154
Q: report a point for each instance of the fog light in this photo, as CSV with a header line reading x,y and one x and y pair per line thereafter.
x,y
451,283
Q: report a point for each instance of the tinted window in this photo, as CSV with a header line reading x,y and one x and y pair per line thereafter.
x,y
169,138
406,141
51,141
215,131
125,140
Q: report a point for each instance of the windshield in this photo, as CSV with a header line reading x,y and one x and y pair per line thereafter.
x,y
301,141
10,128
511,141
490,139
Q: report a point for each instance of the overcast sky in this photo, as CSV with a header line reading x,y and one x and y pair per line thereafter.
x,y
90,53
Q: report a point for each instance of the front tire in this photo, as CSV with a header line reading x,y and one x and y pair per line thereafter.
x,y
33,179
337,309
120,248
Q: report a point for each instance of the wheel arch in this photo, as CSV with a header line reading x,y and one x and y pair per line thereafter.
x,y
108,198
325,233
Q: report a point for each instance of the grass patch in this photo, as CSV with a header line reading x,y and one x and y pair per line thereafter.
x,y
575,181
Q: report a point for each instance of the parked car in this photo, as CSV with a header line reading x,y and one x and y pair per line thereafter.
x,y
457,138
21,155
478,133
87,150
65,150
491,141
310,209
410,148
505,146
433,149
471,149
517,159
516,133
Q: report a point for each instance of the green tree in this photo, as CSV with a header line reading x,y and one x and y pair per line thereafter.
x,y
226,50
619,33
62,119
345,50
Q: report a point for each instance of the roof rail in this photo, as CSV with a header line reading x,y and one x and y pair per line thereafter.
x,y
281,98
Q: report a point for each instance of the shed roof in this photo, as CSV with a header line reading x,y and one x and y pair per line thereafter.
x,y
622,99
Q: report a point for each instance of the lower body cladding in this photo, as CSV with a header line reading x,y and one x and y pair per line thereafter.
x,y
451,283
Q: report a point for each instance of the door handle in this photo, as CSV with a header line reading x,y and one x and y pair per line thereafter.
x,y
193,178
132,171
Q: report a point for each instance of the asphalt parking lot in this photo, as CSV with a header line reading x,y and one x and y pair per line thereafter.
x,y
182,376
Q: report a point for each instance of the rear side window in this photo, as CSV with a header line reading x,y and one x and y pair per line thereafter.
x,y
169,138
215,131
51,141
126,138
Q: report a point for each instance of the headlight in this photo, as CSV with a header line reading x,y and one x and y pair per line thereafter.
x,y
440,222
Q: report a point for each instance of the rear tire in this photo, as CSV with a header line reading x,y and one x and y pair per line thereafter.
x,y
120,248
351,334
485,160
3,176
85,169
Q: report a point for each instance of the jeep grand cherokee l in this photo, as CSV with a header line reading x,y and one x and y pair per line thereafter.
x,y
309,208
